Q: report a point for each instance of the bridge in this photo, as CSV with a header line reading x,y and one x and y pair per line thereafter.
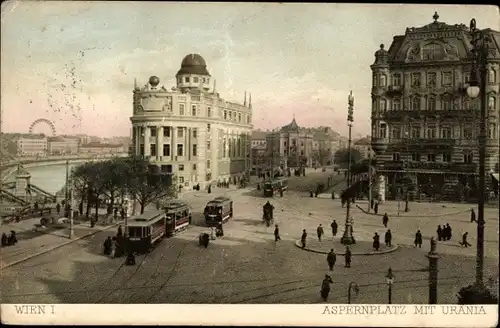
x,y
57,160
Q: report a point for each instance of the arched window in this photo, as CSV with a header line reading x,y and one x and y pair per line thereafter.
x,y
396,104
468,157
415,103
383,80
492,101
446,102
492,76
431,103
383,105
374,80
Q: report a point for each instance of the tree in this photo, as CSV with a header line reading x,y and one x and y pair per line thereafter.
x,y
341,157
85,181
113,182
476,294
146,185
322,156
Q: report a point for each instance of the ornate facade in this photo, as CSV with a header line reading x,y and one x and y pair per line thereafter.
x,y
421,108
190,131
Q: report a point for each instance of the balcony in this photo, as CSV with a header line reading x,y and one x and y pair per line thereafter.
x,y
394,90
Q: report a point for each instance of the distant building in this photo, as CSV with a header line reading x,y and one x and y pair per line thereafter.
x,y
30,144
363,145
259,138
62,146
98,148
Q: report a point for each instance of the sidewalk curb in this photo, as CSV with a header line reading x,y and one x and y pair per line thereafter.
x,y
57,246
412,216
298,244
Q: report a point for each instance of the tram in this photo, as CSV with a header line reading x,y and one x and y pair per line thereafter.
x,y
275,186
218,210
178,217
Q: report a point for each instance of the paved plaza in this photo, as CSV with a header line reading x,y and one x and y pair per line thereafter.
x,y
248,266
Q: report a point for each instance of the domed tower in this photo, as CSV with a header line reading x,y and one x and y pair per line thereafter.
x,y
193,74
380,83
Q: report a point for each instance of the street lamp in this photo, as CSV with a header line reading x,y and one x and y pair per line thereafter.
x,y
347,237
356,291
389,278
477,88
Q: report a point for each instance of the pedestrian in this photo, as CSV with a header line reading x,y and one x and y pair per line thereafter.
x,y
376,242
325,287
385,220
372,203
276,233
440,233
209,190
331,258
418,239
115,213
347,257
464,242
448,233
80,208
5,240
472,215
388,238
303,238
120,231
122,213
376,208
320,232
281,192
335,227
58,208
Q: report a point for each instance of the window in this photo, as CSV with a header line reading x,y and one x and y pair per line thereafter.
x,y
415,80
195,133
374,79
230,117
396,104
181,180
447,79
431,157
383,80
446,157
208,164
492,131
396,132
181,167
415,103
152,130
166,150
152,149
194,167
180,150
209,112
468,158
141,150
431,103
166,131
208,145
415,133
186,79
225,115
248,119
180,132
181,109
166,168
446,133
383,131
383,105
239,117
396,157
431,132
193,110
468,132
224,145
415,157
446,103
208,127
396,79
431,79
195,150
301,153
492,102
195,79
492,76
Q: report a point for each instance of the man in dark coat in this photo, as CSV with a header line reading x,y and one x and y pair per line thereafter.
x,y
120,231
376,241
418,239
372,203
464,242
335,227
58,208
276,233
325,287
388,238
303,238
448,231
440,233
375,208
385,220
347,257
5,240
320,232
472,215
108,246
331,258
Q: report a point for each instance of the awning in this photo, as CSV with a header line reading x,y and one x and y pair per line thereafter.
x,y
496,176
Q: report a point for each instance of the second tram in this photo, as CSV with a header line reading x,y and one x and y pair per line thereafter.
x,y
218,210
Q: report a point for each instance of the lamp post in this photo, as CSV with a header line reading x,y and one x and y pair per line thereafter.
x,y
389,278
356,291
347,237
369,179
477,87
66,185
433,272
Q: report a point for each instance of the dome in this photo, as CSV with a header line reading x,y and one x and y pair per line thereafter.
x,y
193,64
154,81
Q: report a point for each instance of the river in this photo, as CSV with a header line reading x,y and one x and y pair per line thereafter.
x,y
50,178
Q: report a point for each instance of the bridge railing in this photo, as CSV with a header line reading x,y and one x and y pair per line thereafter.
x,y
60,158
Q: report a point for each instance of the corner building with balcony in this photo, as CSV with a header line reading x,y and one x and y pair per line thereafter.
x,y
190,131
421,111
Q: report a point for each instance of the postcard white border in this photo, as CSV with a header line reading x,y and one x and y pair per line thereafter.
x,y
322,315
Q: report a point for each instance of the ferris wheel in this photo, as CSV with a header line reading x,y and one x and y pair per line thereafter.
x,y
43,121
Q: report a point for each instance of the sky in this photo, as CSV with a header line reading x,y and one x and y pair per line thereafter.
x,y
74,63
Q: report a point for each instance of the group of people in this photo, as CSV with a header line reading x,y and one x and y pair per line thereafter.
x,y
444,233
9,240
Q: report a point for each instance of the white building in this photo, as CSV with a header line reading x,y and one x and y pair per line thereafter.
x,y
98,148
30,145
62,146
190,131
